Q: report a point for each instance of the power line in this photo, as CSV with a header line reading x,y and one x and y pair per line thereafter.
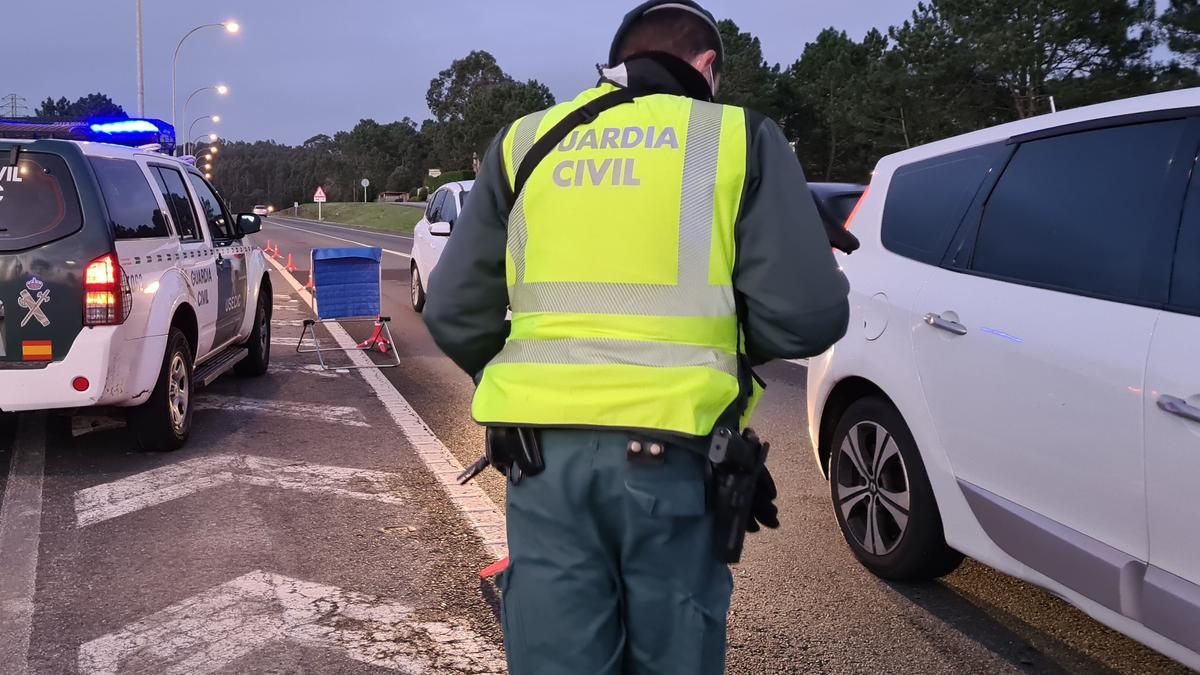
x,y
15,105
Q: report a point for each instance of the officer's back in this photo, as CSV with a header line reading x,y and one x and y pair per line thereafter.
x,y
651,252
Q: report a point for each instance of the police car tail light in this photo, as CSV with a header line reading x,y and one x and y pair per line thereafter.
x,y
107,297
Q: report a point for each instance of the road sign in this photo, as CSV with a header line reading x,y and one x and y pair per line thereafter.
x,y
319,195
365,182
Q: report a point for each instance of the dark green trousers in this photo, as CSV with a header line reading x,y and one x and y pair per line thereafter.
x,y
612,567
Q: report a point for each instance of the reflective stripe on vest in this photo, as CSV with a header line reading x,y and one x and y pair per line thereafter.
x,y
622,336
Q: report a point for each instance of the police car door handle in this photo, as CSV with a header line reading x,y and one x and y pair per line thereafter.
x,y
947,325
1179,408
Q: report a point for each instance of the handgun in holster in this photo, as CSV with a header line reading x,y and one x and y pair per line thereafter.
x,y
736,460
513,451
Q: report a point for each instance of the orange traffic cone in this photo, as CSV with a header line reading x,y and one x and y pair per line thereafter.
x,y
309,286
494,569
275,253
290,267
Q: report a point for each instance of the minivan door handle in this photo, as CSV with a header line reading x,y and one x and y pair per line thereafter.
x,y
947,325
1179,408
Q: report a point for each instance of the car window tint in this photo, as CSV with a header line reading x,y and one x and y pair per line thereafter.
x,y
926,202
219,222
1077,212
449,209
133,212
175,194
38,203
435,204
1185,289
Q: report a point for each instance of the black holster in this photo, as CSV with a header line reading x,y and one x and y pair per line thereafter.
x,y
515,452
736,460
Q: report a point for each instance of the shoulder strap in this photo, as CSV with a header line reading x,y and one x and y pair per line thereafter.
x,y
577,118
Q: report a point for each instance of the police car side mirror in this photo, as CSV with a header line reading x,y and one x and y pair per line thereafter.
x,y
248,223
440,229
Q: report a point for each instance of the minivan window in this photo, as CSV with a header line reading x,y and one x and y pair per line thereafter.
x,y
927,200
1078,212
175,194
38,202
435,206
449,212
133,212
219,223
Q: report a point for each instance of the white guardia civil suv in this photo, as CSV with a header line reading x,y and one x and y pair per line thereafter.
x,y
1021,378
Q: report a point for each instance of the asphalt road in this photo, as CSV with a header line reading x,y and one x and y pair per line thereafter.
x,y
802,604
305,528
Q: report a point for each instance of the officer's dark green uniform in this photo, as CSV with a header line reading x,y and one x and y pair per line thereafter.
x,y
653,254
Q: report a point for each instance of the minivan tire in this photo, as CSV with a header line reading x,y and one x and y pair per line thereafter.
x,y
870,487
164,422
415,289
258,360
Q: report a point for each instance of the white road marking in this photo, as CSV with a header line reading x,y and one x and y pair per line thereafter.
x,y
287,323
307,369
330,236
343,227
333,414
20,531
158,486
471,500
208,631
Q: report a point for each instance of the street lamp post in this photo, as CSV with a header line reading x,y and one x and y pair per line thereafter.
x,y
221,90
141,73
215,119
229,26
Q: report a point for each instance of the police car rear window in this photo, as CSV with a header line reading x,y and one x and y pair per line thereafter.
x,y
38,202
133,211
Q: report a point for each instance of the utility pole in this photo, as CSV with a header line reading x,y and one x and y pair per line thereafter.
x,y
15,105
141,74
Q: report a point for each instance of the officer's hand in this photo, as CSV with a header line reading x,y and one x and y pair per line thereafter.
x,y
763,511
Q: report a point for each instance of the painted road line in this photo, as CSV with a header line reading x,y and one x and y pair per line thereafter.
x,y
330,236
209,631
332,414
308,369
471,500
20,532
158,486
320,223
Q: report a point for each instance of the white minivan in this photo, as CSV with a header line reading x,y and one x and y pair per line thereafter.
x,y
1021,378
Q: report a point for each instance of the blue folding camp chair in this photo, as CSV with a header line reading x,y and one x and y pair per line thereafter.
x,y
347,285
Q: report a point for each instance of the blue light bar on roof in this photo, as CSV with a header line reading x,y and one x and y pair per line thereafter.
x,y
124,127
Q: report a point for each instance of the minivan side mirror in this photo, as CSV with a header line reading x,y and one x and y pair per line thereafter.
x,y
440,229
248,223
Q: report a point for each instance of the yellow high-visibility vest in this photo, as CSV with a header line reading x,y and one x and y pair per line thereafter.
x,y
620,270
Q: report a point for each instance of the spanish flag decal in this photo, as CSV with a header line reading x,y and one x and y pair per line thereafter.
x,y
37,350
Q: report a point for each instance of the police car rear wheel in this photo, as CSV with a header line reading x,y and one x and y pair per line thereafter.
x,y
882,498
164,422
416,290
258,361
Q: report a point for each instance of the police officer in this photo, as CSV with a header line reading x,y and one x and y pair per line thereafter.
x,y
655,247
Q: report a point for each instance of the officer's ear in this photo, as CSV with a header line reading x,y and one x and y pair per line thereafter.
x,y
705,63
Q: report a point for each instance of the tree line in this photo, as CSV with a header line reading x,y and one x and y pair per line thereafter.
x,y
952,67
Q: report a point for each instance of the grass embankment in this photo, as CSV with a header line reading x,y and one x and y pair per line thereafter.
x,y
370,216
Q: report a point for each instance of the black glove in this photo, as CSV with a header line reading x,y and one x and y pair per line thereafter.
x,y
763,511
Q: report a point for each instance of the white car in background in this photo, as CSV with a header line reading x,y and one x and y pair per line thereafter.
x,y
1020,382
260,210
430,236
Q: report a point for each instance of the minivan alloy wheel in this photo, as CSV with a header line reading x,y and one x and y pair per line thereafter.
x,y
872,488
177,393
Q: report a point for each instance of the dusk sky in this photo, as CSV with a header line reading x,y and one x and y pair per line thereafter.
x,y
301,68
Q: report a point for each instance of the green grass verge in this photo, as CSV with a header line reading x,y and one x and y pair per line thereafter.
x,y
383,217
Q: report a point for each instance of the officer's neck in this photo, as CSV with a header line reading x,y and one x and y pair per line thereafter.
x,y
659,73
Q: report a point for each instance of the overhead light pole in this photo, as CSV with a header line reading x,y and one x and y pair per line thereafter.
x,y
141,73
215,119
221,90
230,27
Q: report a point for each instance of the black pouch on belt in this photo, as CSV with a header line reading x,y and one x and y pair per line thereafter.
x,y
515,452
